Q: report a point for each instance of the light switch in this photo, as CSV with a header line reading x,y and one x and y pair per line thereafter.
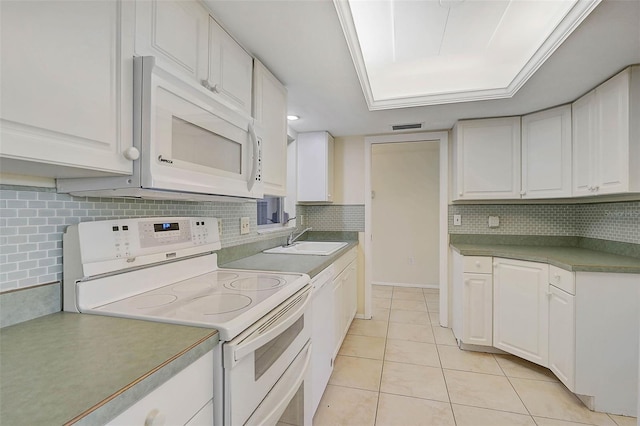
x,y
494,221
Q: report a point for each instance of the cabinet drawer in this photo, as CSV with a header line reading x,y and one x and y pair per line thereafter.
x,y
562,279
478,264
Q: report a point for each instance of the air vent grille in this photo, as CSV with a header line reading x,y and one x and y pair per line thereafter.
x,y
411,126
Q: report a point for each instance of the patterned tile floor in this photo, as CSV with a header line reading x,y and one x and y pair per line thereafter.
x,y
401,368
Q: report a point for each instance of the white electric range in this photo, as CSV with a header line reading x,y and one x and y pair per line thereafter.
x,y
165,269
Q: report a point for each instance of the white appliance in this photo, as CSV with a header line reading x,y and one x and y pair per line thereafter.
x,y
186,145
164,269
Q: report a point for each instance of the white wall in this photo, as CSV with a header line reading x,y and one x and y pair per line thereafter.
x,y
405,213
348,170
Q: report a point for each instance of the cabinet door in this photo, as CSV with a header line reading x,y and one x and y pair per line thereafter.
x,y
230,69
315,167
176,34
612,136
477,306
583,129
270,112
67,95
338,316
322,336
488,159
521,309
546,153
350,281
562,336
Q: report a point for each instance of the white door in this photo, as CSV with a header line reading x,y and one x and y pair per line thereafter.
x,y
405,185
176,34
583,129
477,307
546,153
67,86
487,159
521,309
230,69
612,137
562,336
270,113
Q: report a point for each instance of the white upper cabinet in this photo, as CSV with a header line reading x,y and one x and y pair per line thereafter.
x,y
67,96
270,113
230,69
176,33
487,159
546,153
606,137
315,167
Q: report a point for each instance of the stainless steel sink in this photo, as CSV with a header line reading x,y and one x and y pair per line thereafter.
x,y
318,248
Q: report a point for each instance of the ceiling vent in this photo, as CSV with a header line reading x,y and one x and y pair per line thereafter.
x,y
400,127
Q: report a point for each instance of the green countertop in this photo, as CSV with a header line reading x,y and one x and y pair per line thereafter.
x,y
307,264
569,258
87,369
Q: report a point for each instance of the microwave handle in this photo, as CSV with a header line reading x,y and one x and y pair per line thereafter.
x,y
256,158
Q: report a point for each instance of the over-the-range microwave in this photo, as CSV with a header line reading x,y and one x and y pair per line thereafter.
x,y
189,146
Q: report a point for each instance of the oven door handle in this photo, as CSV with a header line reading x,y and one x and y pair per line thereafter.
x,y
290,385
266,329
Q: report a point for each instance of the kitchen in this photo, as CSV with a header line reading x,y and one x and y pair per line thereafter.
x,y
34,214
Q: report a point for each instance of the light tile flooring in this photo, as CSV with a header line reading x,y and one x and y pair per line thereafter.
x,y
401,368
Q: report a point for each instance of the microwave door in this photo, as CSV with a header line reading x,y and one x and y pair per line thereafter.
x,y
197,145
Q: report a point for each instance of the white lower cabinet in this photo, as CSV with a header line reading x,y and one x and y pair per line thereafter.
x,y
473,300
562,336
333,307
185,399
521,309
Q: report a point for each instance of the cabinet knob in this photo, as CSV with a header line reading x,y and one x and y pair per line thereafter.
x,y
466,281
131,153
557,277
155,418
478,263
523,192
460,194
595,188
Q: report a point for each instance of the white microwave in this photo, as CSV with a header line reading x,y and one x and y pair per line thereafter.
x,y
190,146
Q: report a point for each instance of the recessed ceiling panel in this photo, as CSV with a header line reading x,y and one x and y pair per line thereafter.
x,y
424,52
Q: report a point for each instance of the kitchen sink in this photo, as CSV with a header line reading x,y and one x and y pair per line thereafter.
x,y
318,248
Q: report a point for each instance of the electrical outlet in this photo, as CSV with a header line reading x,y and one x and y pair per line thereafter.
x,y
244,225
303,220
494,221
457,220
220,227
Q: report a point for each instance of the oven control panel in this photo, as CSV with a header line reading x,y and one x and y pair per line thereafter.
x,y
145,240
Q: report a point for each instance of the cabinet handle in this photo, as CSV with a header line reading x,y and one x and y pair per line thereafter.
x,y
595,188
209,87
131,153
155,418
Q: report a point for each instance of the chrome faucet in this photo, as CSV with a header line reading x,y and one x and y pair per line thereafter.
x,y
291,239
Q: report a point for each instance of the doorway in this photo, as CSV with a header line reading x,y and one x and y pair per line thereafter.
x,y
441,140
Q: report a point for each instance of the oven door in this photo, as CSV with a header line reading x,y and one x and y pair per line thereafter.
x,y
190,142
275,349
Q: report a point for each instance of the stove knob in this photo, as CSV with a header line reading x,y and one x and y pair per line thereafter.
x,y
155,418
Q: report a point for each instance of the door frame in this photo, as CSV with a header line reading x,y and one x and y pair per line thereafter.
x,y
443,236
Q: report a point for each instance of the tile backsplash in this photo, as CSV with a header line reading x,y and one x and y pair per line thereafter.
x,y
333,217
32,221
607,221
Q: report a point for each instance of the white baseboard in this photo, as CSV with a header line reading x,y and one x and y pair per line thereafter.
x,y
433,286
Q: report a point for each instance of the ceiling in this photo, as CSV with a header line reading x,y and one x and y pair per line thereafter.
x,y
302,43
